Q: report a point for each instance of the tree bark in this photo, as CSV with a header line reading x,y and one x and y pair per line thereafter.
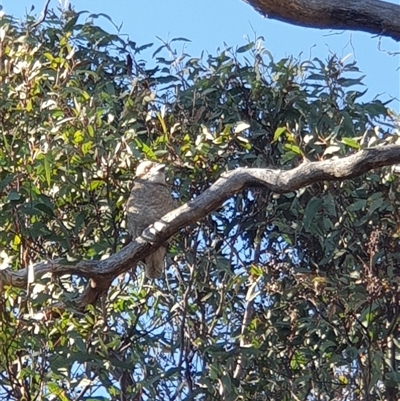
x,y
373,16
101,273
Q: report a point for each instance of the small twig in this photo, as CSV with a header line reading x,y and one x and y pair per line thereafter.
x,y
44,13
247,316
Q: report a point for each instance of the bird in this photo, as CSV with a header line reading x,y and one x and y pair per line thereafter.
x,y
149,200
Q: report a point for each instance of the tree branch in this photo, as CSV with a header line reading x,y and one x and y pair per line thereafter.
x,y
102,272
373,16
43,17
247,317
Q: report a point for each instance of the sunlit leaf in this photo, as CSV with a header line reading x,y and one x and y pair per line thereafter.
x,y
278,133
351,142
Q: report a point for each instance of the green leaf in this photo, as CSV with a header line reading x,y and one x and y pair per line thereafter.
x,y
351,142
278,133
346,82
71,23
310,212
47,168
13,196
180,40
293,148
45,208
358,205
7,180
298,360
245,48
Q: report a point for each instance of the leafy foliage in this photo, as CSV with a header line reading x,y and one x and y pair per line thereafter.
x,y
272,297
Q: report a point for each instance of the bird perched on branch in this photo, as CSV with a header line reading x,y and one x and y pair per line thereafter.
x,y
150,199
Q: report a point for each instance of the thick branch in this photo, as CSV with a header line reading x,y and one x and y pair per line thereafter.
x,y
373,16
101,273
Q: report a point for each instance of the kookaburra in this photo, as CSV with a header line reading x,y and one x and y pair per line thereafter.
x,y
150,199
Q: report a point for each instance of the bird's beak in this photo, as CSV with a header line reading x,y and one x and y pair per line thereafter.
x,y
160,167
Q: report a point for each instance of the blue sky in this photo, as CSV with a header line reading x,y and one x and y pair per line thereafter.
x,y
210,23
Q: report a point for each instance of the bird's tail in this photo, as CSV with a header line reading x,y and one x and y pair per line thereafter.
x,y
155,263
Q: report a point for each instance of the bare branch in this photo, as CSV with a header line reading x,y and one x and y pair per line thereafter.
x,y
247,316
373,16
102,272
43,17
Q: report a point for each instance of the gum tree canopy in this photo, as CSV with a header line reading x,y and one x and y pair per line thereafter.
x,y
282,279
